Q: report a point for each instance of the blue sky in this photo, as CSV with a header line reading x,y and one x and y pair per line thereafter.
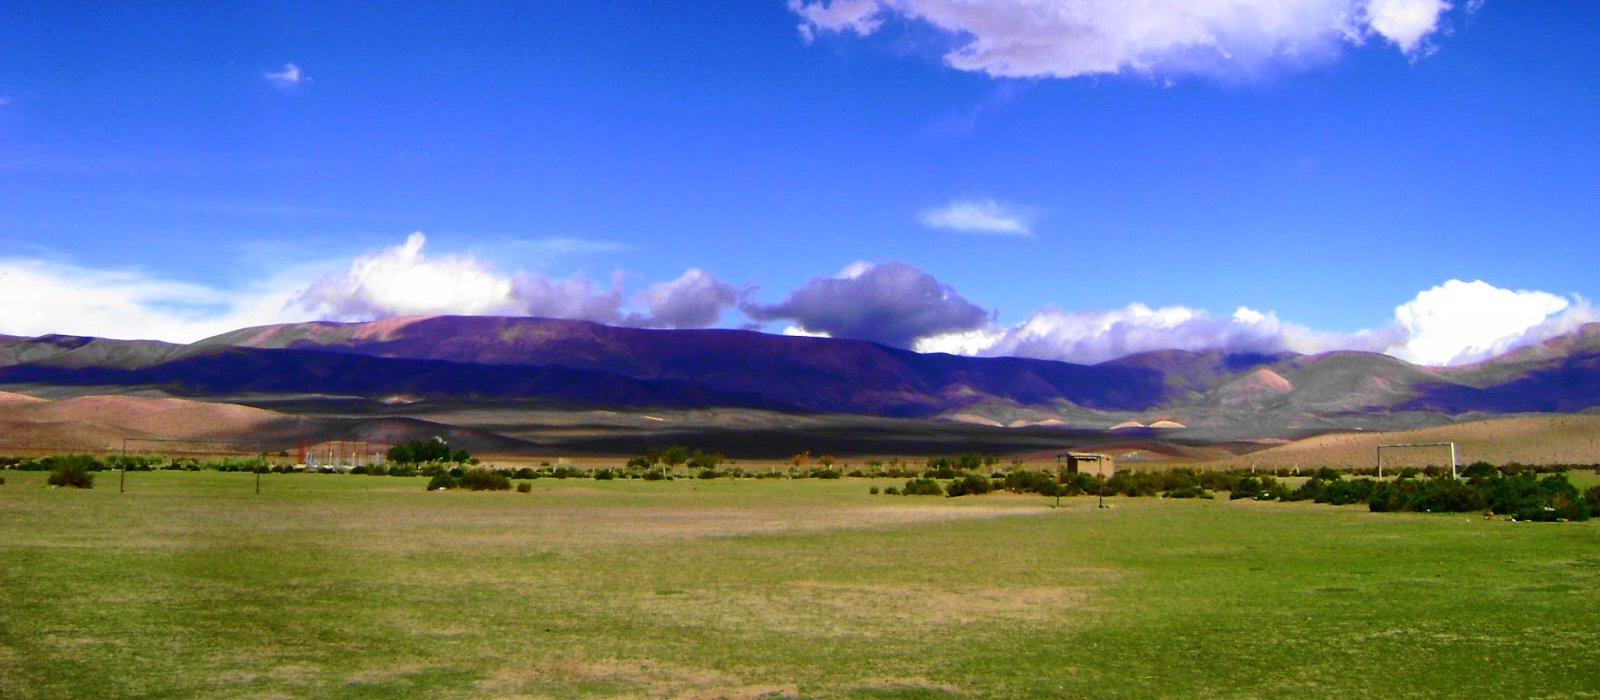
x,y
1059,178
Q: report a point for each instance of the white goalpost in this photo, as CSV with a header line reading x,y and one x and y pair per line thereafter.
x,y
1409,445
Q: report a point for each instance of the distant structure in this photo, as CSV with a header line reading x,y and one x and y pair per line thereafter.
x,y
1086,463
342,455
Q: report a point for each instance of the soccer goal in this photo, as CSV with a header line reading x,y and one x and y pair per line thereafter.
x,y
1416,448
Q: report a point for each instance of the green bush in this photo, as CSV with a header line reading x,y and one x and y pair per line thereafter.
x,y
873,490
922,487
484,480
1520,493
1188,491
525,487
1245,487
605,475
891,491
441,481
72,474
1028,482
971,484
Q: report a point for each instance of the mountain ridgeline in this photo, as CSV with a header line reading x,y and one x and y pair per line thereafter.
x,y
585,364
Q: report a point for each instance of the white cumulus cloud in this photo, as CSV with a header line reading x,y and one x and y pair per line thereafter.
x,y
405,281
1459,322
402,281
1069,38
1451,324
1093,336
983,216
289,77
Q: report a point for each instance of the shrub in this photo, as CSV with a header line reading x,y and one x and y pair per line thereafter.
x,y
524,487
3,483
72,474
1247,487
484,480
973,484
605,475
1188,491
873,490
922,487
941,471
655,475
441,481
1028,482
1218,480
891,491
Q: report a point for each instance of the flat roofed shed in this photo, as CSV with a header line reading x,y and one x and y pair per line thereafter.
x,y
1087,463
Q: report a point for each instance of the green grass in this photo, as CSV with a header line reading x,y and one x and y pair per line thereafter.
x,y
190,585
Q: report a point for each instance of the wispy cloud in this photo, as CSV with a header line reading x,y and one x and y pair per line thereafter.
x,y
980,216
42,297
5,100
859,16
561,245
1069,38
289,77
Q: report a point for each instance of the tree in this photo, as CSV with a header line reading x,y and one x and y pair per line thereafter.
x,y
419,451
705,460
827,461
675,455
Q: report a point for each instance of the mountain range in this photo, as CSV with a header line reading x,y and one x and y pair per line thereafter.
x,y
577,364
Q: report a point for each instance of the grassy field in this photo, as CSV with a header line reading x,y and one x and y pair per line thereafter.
x,y
190,585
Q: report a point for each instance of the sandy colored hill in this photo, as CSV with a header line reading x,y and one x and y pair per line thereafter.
x,y
101,422
9,400
1541,439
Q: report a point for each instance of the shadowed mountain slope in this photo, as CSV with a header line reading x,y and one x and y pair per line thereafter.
x,y
581,363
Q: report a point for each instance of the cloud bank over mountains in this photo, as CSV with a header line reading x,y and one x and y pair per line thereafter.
x,y
1071,38
892,303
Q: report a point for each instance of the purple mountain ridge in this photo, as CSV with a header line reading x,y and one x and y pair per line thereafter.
x,y
585,364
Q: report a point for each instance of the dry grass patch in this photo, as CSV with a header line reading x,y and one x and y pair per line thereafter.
x,y
835,609
634,678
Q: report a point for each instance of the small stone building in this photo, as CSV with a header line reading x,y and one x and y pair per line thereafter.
x,y
1087,463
